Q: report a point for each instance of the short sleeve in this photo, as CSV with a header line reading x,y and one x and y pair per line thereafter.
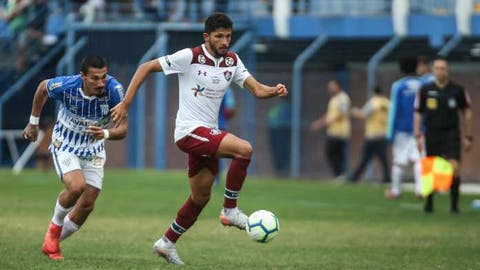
x,y
367,109
463,99
177,62
55,87
241,73
117,92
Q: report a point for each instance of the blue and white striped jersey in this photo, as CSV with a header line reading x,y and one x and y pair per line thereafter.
x,y
402,99
78,111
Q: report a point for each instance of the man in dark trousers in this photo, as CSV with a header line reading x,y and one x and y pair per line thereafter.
x,y
437,107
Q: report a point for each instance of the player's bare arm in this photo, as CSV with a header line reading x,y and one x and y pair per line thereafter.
x,y
417,124
31,130
318,124
467,129
120,111
116,132
264,91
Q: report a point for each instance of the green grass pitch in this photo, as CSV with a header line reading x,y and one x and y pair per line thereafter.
x,y
322,226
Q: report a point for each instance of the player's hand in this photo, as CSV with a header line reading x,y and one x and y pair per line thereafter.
x,y
467,143
281,90
316,125
96,131
30,132
419,140
119,112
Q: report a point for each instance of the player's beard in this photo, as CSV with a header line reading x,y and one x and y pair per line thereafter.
x,y
218,52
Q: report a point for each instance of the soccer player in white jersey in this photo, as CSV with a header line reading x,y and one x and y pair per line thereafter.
x,y
204,73
77,142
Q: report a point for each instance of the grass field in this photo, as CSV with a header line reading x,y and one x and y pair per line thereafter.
x,y
322,226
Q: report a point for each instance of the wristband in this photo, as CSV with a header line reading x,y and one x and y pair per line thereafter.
x,y
106,134
34,120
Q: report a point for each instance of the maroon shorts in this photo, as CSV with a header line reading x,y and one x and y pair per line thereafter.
x,y
201,145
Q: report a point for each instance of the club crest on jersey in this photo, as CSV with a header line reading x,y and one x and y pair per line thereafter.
x,y
229,61
104,108
228,75
215,131
201,59
198,89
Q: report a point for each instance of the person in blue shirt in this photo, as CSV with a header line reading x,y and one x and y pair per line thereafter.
x,y
78,142
400,127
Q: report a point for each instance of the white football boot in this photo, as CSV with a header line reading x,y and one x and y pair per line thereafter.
x,y
167,250
233,217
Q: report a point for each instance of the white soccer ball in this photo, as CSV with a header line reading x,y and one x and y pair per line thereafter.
x,y
262,226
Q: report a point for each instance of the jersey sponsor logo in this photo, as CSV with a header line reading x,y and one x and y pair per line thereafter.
x,y
432,103
202,72
104,108
229,61
168,61
215,79
452,103
201,59
54,85
198,89
228,75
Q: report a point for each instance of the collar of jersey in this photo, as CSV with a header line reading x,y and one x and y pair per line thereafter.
x,y
217,61
80,89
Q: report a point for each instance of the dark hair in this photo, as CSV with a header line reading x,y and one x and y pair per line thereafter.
x,y
440,57
422,59
377,89
335,81
217,20
408,65
94,61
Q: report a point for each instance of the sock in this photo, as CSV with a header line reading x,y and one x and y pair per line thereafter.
x,y
69,228
60,213
417,174
454,193
235,178
397,174
429,203
186,217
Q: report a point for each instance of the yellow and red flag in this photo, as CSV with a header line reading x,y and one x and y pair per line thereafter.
x,y
437,174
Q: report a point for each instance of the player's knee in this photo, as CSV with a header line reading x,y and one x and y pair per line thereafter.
x,y
77,188
245,150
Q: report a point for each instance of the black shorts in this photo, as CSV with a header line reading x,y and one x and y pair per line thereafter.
x,y
443,143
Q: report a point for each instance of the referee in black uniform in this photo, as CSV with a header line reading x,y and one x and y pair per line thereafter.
x,y
438,106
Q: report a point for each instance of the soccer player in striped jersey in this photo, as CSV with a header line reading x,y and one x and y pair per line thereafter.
x,y
204,74
400,127
78,142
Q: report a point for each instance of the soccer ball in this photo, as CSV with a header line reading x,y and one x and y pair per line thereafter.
x,y
262,226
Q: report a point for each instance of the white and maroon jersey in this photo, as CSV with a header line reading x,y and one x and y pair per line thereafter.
x,y
203,81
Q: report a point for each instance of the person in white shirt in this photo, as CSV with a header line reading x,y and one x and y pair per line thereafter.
x,y
204,74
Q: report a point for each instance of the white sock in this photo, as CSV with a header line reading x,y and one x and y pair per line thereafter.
x,y
60,213
417,173
397,175
69,228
